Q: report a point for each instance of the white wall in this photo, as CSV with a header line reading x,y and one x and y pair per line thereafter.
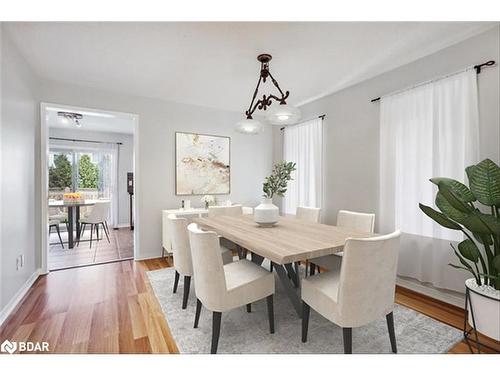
x,y
19,212
352,126
126,160
251,156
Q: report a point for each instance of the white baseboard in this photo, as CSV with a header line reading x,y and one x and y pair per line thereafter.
x,y
14,301
122,225
453,298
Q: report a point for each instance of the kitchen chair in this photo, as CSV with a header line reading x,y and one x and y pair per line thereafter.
x,y
54,223
358,221
234,210
224,287
97,216
182,254
310,214
360,292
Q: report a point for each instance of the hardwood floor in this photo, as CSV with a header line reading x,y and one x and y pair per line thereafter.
x,y
111,308
120,246
108,308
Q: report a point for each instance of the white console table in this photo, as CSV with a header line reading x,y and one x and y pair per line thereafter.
x,y
187,213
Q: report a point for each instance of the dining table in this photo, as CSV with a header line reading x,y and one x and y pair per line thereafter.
x,y
73,209
284,244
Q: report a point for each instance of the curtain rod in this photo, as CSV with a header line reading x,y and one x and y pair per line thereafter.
x,y
477,67
320,116
84,140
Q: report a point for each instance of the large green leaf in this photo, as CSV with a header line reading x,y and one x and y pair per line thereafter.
x,y
453,199
484,181
469,171
439,218
462,191
480,223
469,250
448,209
483,238
496,263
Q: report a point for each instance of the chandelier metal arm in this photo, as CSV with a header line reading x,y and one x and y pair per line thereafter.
x,y
250,110
275,83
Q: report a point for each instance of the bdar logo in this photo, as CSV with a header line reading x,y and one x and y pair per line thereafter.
x,y
8,347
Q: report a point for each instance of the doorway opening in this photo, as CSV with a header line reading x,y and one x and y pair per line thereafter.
x,y
87,186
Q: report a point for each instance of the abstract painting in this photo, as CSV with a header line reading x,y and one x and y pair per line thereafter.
x,y
202,164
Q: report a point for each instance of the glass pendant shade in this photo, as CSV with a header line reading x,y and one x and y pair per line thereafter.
x,y
283,114
249,126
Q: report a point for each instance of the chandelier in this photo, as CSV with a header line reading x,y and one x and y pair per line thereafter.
x,y
279,114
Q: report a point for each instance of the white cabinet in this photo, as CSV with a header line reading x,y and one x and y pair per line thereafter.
x,y
187,213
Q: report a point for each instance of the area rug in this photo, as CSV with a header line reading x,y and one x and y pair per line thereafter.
x,y
245,333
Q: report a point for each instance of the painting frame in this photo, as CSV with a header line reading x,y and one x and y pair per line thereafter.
x,y
176,187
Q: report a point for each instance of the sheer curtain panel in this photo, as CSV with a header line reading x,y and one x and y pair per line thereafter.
x,y
303,144
428,131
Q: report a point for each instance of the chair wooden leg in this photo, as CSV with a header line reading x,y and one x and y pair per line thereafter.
x,y
176,281
347,334
97,232
249,307
82,231
270,312
306,309
106,232
312,269
185,296
198,312
271,267
216,318
59,235
390,326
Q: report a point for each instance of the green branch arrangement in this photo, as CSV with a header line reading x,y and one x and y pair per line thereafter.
x,y
276,183
479,254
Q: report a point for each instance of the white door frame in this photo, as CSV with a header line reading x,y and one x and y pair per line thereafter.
x,y
44,176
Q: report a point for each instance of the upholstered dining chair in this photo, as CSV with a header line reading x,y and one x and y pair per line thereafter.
x,y
234,210
360,292
182,254
220,287
97,216
54,223
358,221
310,214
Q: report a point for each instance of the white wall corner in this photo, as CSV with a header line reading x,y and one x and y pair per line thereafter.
x,y
17,298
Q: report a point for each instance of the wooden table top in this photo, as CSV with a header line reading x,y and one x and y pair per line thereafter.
x,y
60,203
290,240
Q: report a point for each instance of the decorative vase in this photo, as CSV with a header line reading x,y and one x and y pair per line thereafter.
x,y
485,304
266,214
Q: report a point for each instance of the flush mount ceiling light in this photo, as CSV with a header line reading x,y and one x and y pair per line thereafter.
x,y
71,116
280,114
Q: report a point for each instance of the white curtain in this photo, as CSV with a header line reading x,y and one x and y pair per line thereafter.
x,y
303,144
428,131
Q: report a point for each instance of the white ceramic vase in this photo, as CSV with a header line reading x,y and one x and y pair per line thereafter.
x,y
485,303
266,214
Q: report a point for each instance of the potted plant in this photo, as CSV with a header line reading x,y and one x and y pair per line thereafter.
x,y
475,211
266,213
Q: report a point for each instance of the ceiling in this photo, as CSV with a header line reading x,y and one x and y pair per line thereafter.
x,y
93,120
214,64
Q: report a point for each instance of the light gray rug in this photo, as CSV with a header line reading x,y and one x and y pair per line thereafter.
x,y
243,332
